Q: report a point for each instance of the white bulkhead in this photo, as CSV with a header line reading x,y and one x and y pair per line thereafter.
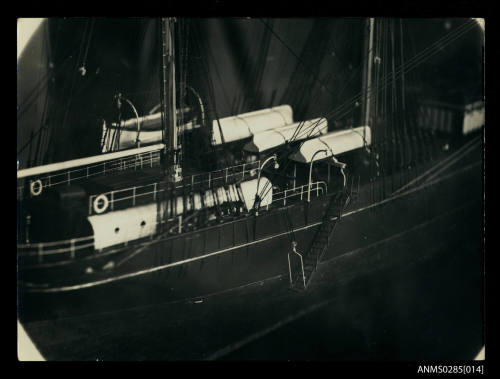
x,y
121,226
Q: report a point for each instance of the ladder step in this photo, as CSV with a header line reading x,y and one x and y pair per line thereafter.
x,y
319,245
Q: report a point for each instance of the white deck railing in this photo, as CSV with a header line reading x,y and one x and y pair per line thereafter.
x,y
42,249
150,192
236,173
318,188
145,160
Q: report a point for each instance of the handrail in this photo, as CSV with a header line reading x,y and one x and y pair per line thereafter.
x,y
310,173
37,249
54,243
299,191
150,158
40,248
57,251
146,159
187,182
294,249
224,174
112,199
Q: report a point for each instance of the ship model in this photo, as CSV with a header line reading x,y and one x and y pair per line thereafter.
x,y
202,203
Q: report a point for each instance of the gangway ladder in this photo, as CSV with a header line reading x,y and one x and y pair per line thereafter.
x,y
303,266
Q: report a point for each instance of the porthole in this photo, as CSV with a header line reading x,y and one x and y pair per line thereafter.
x,y
117,230
143,223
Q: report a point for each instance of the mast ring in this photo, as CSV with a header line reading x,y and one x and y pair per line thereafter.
x,y
101,203
36,187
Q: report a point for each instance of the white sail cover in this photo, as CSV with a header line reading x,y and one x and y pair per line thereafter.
x,y
269,139
128,139
152,122
245,125
334,143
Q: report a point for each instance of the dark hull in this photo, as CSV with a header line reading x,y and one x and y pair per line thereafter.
x,y
247,250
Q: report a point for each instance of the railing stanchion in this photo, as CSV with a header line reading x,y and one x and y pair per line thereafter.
x,y
72,249
303,274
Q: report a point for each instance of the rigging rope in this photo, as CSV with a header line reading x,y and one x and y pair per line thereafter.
x,y
314,75
340,111
396,73
202,46
412,63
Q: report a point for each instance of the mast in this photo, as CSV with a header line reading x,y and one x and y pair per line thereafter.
x,y
367,72
172,149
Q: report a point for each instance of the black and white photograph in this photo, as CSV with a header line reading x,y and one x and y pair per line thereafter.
x,y
251,189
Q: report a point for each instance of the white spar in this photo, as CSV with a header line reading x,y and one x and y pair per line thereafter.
x,y
38,170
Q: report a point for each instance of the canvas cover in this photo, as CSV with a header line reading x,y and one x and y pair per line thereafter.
x,y
334,143
297,131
